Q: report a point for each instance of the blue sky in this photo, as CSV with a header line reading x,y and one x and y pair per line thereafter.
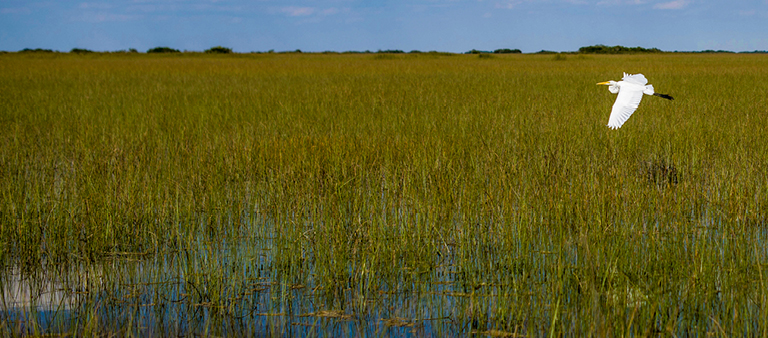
x,y
342,25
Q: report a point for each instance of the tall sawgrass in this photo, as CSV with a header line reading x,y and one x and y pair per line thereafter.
x,y
353,194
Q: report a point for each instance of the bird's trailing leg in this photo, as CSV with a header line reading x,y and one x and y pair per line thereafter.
x,y
665,96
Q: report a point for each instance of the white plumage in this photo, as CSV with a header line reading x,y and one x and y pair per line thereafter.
x,y
630,89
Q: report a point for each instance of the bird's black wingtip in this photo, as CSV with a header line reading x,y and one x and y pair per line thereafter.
x,y
665,96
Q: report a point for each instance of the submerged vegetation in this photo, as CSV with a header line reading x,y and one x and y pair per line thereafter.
x,y
347,194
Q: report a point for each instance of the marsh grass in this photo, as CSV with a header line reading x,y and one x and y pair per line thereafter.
x,y
399,195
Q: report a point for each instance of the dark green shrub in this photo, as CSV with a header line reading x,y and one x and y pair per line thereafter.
x,y
507,51
163,50
36,50
219,50
603,49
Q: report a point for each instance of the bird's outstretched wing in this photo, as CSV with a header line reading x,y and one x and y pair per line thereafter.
x,y
635,78
626,103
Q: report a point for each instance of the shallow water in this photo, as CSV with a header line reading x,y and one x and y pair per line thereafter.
x,y
188,292
248,288
165,303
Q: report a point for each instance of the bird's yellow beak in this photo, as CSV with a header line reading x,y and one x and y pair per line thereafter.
x,y
604,83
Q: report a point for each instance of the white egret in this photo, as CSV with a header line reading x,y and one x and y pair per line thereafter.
x,y
631,89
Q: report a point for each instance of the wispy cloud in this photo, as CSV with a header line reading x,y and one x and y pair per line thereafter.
x,y
509,4
675,4
329,11
621,2
297,11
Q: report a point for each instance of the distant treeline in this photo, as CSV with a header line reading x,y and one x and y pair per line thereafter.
x,y
602,49
214,50
498,51
596,49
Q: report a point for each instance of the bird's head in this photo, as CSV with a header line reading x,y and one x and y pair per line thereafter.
x,y
613,86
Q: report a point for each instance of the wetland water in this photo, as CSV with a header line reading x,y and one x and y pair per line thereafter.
x,y
232,291
254,287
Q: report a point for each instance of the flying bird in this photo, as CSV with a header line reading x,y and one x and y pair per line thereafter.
x,y
631,89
